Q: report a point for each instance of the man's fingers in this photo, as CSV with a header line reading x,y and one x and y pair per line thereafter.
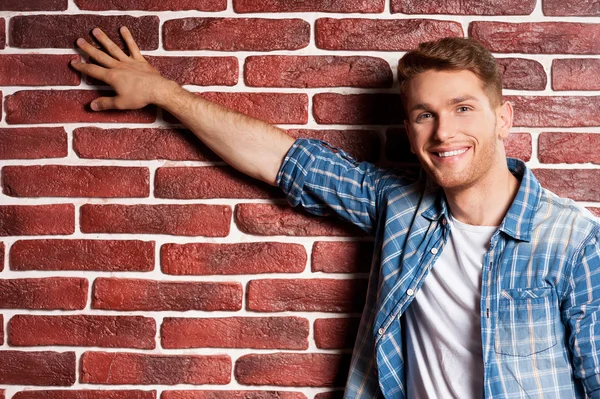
x,y
103,103
134,50
98,55
109,45
92,70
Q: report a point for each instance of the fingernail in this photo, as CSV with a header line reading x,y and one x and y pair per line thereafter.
x,y
80,41
94,106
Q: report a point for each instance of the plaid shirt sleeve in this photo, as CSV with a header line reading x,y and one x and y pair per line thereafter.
x,y
326,180
582,310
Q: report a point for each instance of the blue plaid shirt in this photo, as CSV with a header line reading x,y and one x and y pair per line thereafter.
x,y
540,292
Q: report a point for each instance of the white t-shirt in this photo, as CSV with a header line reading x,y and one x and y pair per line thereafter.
x,y
443,330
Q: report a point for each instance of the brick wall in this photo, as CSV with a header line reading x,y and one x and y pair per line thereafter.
x,y
134,264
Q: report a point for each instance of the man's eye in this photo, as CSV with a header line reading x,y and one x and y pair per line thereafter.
x,y
463,109
425,115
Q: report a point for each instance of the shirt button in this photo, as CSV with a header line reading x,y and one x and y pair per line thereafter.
x,y
381,331
444,222
409,292
434,251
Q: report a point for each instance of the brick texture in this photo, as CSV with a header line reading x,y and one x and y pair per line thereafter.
x,y
570,8
341,257
85,394
149,295
336,333
98,255
306,295
19,220
330,395
337,6
1,333
75,181
358,109
236,332
595,211
485,7
555,111
61,31
37,368
577,184
200,71
186,220
235,34
209,182
242,258
33,5
37,70
385,34
2,248
268,219
147,144
363,145
569,147
537,37
522,74
518,145
2,33
292,369
576,74
33,142
62,106
52,293
132,368
232,395
153,5
82,330
317,71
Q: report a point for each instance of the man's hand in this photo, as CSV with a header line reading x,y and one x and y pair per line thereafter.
x,y
136,82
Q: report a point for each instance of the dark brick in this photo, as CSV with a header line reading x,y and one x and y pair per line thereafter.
x,y
336,333
570,8
33,142
85,394
37,70
52,293
33,5
458,7
337,6
152,5
25,220
341,257
232,395
37,368
522,74
358,109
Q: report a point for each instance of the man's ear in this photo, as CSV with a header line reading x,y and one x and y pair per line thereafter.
x,y
504,119
409,135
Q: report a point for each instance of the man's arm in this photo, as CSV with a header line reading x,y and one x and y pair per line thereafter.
x,y
254,147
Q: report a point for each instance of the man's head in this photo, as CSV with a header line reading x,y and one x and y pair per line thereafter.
x,y
456,119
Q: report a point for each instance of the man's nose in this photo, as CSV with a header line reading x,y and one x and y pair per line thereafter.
x,y
445,128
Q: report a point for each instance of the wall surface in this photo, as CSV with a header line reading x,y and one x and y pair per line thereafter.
x,y
134,264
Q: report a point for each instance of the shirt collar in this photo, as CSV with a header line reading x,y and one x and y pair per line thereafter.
x,y
518,221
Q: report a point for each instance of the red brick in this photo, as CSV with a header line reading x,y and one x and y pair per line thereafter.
x,y
235,332
577,184
232,395
363,145
149,295
37,368
33,5
85,394
1,332
61,31
337,6
152,5
518,145
2,33
380,34
358,109
56,106
97,255
284,108
336,333
317,71
133,368
522,74
485,7
569,148
554,111
235,34
26,220
306,295
37,70
242,258
570,8
200,71
209,182
149,143
537,37
270,219
595,211
330,395
83,330
292,369
341,257
33,142
1,258
50,293
576,74
186,220
397,147
75,181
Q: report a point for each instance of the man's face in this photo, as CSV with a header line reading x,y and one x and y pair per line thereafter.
x,y
452,128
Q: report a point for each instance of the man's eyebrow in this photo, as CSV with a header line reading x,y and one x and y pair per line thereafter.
x,y
423,106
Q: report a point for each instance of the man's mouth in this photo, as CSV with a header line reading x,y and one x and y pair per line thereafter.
x,y
451,153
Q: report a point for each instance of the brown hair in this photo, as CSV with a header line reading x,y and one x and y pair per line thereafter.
x,y
453,54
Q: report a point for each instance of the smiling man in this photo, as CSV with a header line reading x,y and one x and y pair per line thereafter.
x,y
483,284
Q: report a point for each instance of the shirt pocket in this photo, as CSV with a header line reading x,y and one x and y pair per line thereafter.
x,y
526,320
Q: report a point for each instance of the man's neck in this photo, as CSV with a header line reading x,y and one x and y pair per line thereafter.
x,y
487,202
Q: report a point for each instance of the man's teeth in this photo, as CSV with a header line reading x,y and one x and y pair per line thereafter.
x,y
451,153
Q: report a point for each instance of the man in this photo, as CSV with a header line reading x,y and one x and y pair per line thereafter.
x,y
510,309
